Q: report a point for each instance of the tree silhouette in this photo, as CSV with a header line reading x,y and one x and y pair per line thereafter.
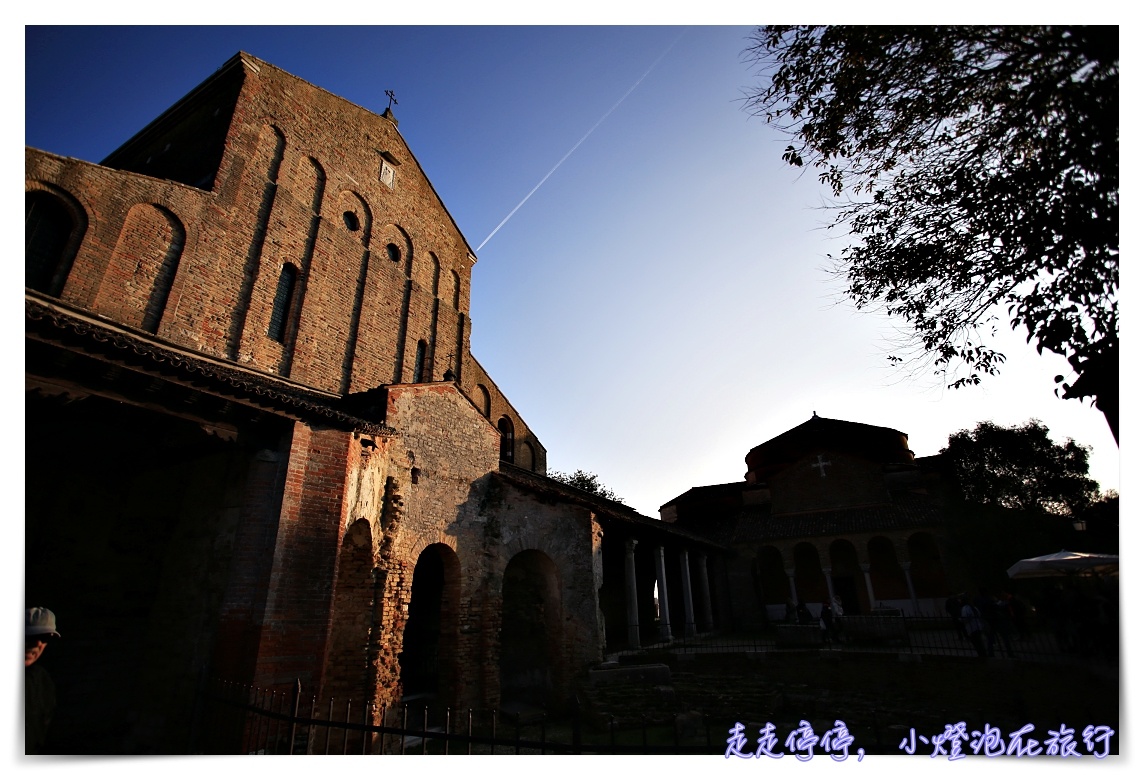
x,y
977,171
586,481
1020,467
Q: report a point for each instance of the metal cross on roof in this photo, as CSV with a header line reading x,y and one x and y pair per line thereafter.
x,y
820,465
392,99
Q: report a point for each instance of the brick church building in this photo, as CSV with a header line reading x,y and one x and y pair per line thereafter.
x,y
829,508
258,448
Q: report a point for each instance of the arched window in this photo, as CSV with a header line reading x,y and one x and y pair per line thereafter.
x,y
419,368
283,298
48,248
504,425
165,277
481,396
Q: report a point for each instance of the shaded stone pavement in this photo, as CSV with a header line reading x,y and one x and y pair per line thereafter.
x,y
880,697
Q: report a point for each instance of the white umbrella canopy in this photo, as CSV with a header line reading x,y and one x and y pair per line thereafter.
x,y
1064,563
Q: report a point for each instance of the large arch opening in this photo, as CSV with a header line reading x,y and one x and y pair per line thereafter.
x,y
428,656
135,551
925,566
771,581
351,666
886,573
530,631
846,577
809,579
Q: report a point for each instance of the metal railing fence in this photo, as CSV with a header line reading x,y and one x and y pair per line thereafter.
x,y
242,719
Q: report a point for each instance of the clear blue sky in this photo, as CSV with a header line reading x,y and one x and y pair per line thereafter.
x,y
659,305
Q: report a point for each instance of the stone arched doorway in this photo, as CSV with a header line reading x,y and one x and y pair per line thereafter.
x,y
531,619
428,655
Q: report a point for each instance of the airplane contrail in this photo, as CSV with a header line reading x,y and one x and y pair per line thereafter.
x,y
582,139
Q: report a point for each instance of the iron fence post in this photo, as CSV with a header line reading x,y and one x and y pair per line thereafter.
x,y
366,734
294,714
448,725
346,728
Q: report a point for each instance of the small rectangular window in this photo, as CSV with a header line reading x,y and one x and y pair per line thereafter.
x,y
387,174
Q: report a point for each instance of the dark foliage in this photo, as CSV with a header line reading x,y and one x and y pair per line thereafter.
x,y
586,481
1020,467
1102,521
977,170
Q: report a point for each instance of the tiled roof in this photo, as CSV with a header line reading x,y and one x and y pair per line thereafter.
x,y
606,510
56,322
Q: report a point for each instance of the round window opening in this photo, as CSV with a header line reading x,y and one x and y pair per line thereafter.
x,y
352,221
394,252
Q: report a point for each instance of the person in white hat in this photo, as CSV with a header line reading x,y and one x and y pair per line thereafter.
x,y
39,690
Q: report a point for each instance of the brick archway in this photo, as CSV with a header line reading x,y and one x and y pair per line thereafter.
x,y
531,657
428,658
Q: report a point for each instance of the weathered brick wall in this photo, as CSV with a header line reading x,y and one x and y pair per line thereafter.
x,y
128,223
330,168
296,620
434,483
529,453
350,669
297,161
380,269
849,481
454,451
241,612
567,535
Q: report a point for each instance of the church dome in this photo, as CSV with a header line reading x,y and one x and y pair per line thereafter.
x,y
871,442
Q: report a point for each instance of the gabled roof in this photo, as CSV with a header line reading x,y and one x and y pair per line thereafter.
x,y
728,492
243,64
879,444
610,512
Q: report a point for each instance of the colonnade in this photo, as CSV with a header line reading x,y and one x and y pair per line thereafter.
x,y
903,570
692,626
865,567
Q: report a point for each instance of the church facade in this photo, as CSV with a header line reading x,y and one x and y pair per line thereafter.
x,y
829,508
258,448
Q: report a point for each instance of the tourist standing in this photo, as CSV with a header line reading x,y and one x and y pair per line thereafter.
x,y
39,690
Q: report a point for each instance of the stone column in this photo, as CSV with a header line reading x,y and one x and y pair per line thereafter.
x,y
829,583
910,585
633,603
706,623
664,612
688,606
869,584
793,589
